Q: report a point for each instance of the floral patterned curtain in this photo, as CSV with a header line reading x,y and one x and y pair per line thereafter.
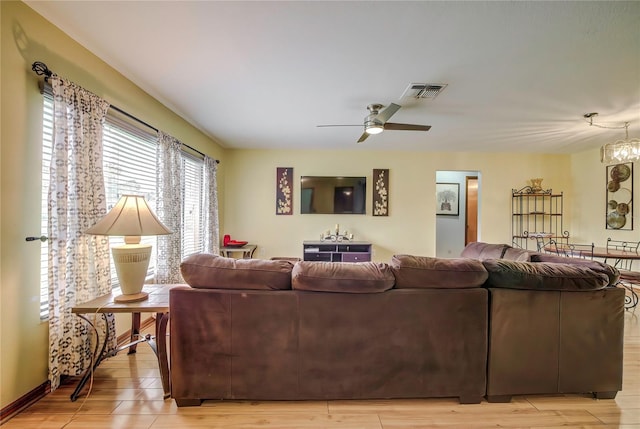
x,y
210,189
78,263
169,204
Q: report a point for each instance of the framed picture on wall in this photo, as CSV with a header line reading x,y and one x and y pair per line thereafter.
x,y
447,199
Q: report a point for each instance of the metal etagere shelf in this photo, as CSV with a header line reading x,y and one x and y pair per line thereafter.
x,y
536,218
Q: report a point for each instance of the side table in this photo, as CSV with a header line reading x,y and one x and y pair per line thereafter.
x,y
158,302
247,251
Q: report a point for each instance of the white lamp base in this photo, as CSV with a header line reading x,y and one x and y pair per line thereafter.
x,y
134,297
131,261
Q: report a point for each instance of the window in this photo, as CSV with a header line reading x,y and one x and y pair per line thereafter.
x,y
47,146
129,160
193,213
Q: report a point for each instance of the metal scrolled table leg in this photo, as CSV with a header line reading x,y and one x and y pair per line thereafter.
x,y
97,357
630,301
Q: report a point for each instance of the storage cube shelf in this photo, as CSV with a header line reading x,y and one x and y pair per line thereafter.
x,y
340,251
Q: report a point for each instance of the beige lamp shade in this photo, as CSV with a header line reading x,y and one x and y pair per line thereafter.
x,y
131,217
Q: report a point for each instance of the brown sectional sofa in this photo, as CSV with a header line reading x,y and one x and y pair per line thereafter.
x,y
553,328
469,327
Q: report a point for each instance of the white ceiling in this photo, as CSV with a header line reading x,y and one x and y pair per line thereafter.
x,y
264,74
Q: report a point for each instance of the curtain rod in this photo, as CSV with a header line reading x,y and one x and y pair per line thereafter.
x,y
41,69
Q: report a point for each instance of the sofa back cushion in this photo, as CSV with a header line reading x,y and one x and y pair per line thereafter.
x,y
612,273
422,272
542,276
208,271
481,251
347,277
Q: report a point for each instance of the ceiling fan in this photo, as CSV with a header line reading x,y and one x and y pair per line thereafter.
x,y
376,121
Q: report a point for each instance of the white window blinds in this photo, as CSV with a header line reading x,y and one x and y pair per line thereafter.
x,y
192,233
129,162
47,146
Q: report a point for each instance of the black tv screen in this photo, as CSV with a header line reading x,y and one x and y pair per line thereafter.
x,y
333,195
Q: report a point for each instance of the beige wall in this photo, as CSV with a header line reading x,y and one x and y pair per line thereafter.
x,y
410,226
27,37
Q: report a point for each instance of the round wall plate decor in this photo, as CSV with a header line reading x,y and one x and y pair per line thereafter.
x,y
620,173
616,220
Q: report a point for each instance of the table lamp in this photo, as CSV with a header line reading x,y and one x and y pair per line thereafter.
x,y
130,217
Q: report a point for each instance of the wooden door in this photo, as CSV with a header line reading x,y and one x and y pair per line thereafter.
x,y
471,214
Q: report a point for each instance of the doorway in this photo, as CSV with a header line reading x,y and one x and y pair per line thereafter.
x,y
453,232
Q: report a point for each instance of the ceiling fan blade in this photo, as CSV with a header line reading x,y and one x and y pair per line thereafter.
x,y
363,137
340,125
388,112
406,127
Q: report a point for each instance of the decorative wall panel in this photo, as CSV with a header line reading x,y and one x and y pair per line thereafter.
x,y
381,192
284,190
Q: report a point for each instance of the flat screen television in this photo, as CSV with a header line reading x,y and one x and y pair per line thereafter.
x,y
332,195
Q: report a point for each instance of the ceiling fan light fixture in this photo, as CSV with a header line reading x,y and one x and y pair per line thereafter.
x,y
377,121
371,127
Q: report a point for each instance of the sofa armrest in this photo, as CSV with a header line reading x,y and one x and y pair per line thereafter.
x,y
612,273
543,276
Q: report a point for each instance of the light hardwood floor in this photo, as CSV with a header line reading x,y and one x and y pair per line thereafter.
x,y
127,393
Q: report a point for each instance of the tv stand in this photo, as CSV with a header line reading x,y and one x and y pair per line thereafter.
x,y
336,251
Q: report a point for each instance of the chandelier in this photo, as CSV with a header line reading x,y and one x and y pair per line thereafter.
x,y
627,150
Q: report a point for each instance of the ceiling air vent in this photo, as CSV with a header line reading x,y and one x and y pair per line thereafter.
x,y
423,90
